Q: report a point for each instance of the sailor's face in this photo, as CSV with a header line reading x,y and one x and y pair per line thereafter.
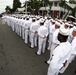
x,y
74,33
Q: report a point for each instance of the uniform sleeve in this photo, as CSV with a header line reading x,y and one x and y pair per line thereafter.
x,y
74,47
39,33
55,40
31,29
55,59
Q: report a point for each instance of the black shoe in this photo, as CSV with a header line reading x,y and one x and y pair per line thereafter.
x,y
46,62
36,53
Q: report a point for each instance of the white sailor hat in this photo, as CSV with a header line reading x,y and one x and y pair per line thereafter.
x,y
74,28
74,23
57,23
27,16
34,18
64,31
52,20
67,24
42,21
38,17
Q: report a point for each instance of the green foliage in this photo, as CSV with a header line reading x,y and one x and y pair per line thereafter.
x,y
16,4
7,8
62,3
72,1
73,12
36,4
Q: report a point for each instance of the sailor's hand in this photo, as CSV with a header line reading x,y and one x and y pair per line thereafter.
x,y
64,64
35,32
44,36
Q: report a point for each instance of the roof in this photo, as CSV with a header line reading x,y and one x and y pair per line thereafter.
x,y
71,5
44,8
70,16
20,9
55,8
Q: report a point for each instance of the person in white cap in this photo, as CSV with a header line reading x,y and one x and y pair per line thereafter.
x,y
27,26
42,36
73,51
65,25
32,32
55,41
23,20
60,53
70,38
51,31
47,23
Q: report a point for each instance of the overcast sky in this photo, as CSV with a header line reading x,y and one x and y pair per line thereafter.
x,y
4,3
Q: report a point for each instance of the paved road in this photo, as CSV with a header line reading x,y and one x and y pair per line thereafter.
x,y
17,58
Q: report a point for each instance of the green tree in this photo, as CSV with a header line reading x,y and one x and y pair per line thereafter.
x,y
62,3
36,4
7,8
74,10
16,4
72,1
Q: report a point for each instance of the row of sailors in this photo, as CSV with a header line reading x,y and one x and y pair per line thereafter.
x,y
62,39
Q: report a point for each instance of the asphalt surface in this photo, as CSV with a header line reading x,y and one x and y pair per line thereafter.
x,y
17,58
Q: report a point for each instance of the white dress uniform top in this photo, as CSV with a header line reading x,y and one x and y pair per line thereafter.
x,y
47,23
42,35
70,37
55,41
60,55
73,51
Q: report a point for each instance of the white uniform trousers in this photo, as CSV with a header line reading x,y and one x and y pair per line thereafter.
x,y
13,26
50,41
26,35
41,45
23,33
16,27
19,30
33,40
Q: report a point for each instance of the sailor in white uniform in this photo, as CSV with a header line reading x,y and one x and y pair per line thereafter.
x,y
32,32
55,41
60,53
73,51
51,31
42,36
27,26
